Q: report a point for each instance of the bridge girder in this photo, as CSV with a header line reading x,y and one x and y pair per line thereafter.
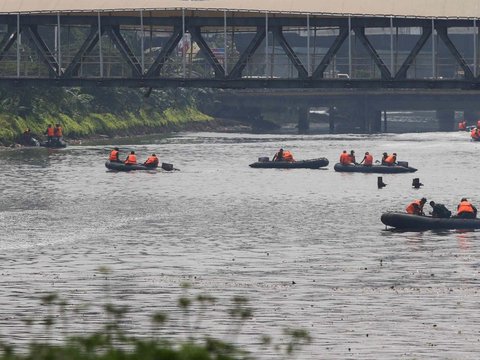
x,y
198,25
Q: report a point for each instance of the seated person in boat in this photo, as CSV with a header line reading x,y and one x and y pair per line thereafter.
x,y
50,132
439,210
416,207
466,210
131,158
344,158
114,155
390,160
475,134
283,155
352,157
58,132
278,156
152,161
347,159
367,159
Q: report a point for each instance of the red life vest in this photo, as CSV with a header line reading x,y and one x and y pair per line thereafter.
x,y
368,160
131,159
113,155
390,159
411,208
287,156
50,131
465,207
345,159
462,125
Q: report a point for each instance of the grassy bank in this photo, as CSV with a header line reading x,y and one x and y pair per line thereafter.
x,y
94,124
90,112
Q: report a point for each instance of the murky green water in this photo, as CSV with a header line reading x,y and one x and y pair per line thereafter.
x,y
305,246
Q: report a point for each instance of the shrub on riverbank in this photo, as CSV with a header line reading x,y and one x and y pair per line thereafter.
x,y
96,111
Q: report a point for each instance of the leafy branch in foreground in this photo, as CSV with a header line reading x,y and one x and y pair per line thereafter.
x,y
114,342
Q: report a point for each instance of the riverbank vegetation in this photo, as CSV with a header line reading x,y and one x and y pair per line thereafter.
x,y
115,340
86,112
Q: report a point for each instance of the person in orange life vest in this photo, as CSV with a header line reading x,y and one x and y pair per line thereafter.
x,y
367,159
466,210
278,156
462,125
50,132
152,161
131,159
288,156
474,133
345,158
416,207
114,155
391,159
58,131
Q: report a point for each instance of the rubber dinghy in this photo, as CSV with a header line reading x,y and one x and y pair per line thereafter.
x,y
416,222
54,144
120,166
265,163
402,167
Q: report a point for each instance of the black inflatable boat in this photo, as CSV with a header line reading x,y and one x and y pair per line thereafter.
x,y
379,169
416,222
120,166
265,163
54,144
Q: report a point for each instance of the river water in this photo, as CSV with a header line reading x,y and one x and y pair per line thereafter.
x,y
306,247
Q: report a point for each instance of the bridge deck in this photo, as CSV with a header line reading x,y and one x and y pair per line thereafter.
x,y
446,9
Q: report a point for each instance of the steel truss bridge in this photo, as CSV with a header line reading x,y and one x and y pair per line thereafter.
x,y
186,48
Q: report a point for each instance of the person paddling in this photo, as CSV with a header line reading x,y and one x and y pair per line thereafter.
x,y
367,159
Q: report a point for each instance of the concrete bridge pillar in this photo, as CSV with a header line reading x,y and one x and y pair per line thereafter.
x,y
374,120
303,120
446,120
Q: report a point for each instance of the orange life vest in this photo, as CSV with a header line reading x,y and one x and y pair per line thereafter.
x,y
50,131
58,131
390,159
152,160
131,159
411,207
113,155
345,159
465,207
287,156
368,160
